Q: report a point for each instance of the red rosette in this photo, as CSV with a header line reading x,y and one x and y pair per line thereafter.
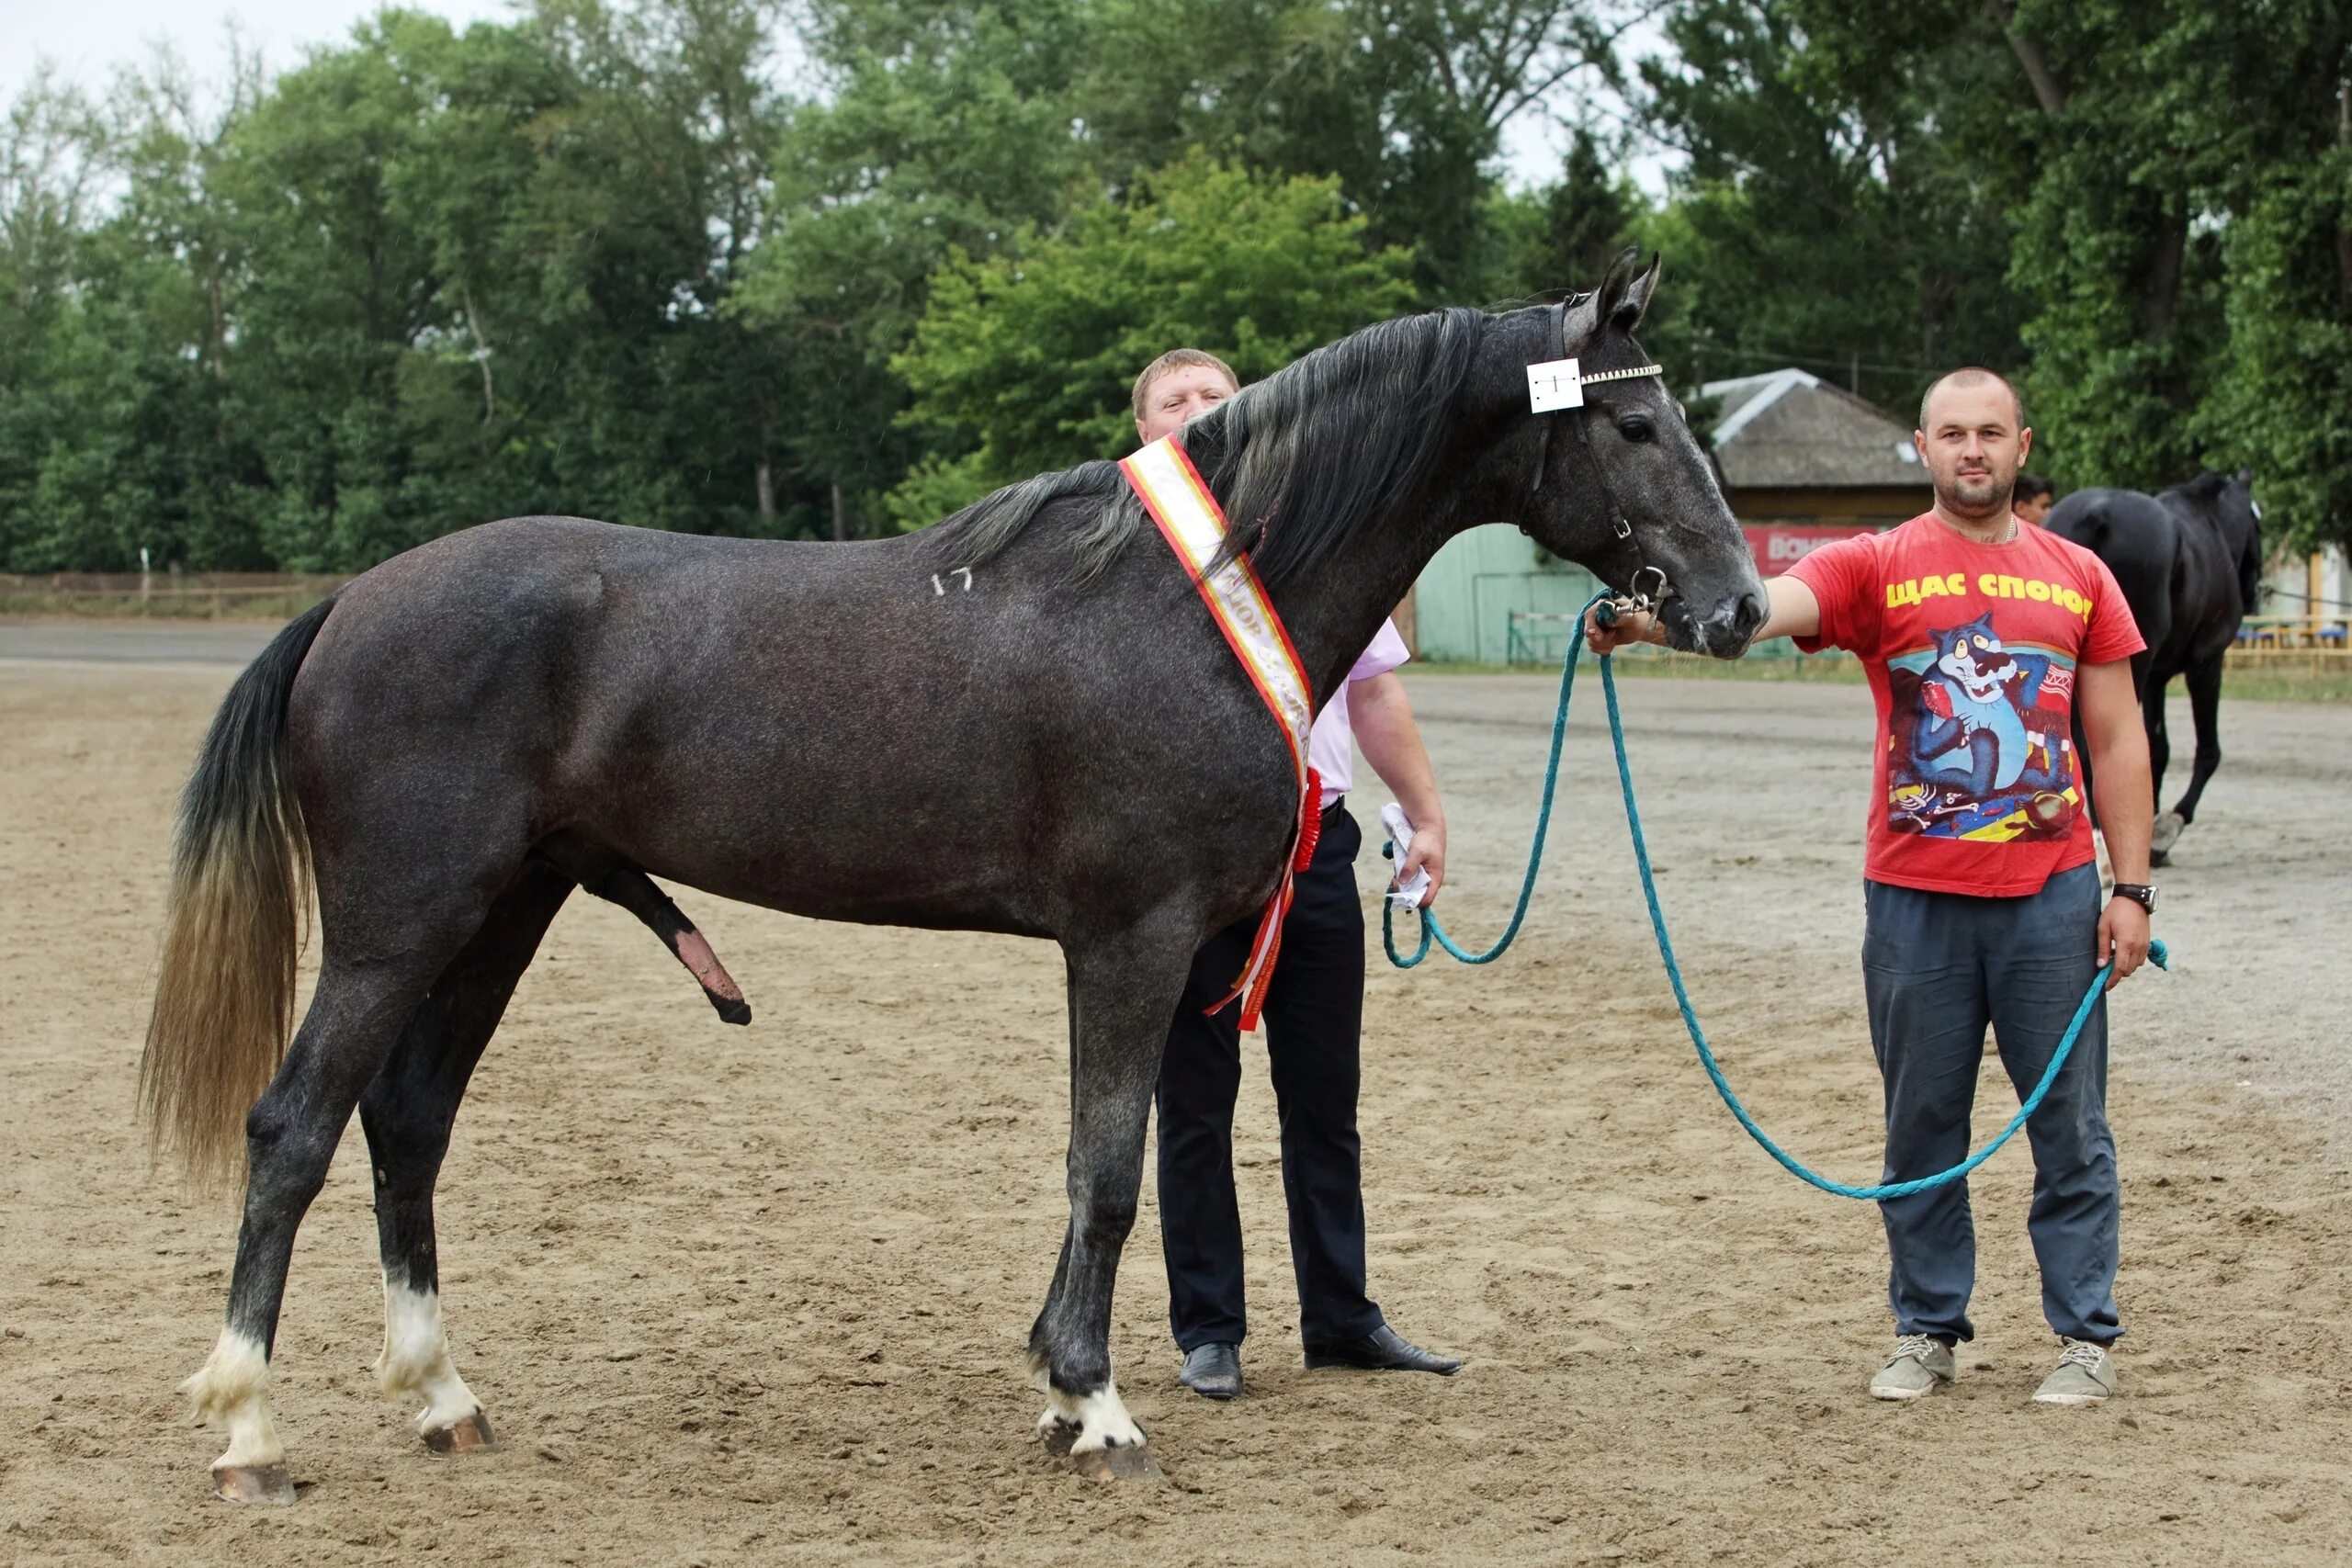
x,y
1310,821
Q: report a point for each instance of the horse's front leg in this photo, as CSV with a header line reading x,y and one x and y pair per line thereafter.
x,y
1123,991
2204,682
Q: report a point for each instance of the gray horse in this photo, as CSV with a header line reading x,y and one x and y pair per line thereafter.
x,y
472,730
2190,563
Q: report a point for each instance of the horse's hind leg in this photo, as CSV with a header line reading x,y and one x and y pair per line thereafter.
x,y
2163,833
2204,682
362,1001
407,1111
1123,991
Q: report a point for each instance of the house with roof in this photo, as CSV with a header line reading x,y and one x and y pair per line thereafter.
x,y
1801,462
1804,461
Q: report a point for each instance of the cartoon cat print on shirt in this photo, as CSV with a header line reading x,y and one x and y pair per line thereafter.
x,y
1975,753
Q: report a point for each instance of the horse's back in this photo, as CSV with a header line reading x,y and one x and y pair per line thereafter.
x,y
2137,539
714,708
2172,557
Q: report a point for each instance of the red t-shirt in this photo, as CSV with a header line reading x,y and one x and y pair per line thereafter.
x,y
1972,651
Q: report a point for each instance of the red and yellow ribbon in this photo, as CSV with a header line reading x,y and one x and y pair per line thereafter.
x,y
1192,522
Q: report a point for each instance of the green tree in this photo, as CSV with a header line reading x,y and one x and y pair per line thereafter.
x,y
1823,217
946,130
1561,236
1027,360
54,156
1404,100
2282,405
2174,176
953,129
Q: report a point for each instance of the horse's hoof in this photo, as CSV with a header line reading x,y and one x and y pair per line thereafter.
x,y
1133,1463
464,1438
254,1483
2166,834
1130,1462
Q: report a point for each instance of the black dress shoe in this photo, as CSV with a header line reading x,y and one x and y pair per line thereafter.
x,y
1382,1350
1213,1372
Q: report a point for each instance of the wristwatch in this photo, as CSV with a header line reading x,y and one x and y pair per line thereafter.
x,y
2140,893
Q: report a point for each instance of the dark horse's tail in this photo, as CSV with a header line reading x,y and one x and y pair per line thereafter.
x,y
240,884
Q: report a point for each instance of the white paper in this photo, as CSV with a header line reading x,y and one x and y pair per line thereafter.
x,y
1554,384
1405,895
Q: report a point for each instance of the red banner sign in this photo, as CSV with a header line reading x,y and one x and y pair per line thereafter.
x,y
1780,546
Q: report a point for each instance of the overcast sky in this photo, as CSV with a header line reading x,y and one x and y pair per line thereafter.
x,y
86,38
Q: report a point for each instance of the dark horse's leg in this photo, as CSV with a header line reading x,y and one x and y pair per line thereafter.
x,y
1123,989
393,942
407,1111
2152,714
2204,680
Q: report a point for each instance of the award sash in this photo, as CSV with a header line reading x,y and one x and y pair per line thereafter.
x,y
1189,518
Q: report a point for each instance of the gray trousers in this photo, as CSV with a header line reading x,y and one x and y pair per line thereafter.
x,y
1938,967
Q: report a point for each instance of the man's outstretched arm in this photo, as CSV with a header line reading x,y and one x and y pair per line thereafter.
x,y
1794,612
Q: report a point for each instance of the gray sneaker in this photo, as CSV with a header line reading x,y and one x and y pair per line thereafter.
x,y
1921,1364
2084,1375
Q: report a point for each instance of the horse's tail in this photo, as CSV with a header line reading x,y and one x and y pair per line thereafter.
x,y
241,885
2249,563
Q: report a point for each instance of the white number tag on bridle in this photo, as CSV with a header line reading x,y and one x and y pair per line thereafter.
x,y
1554,384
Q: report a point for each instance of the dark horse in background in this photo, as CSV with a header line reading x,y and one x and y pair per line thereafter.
x,y
471,730
2190,563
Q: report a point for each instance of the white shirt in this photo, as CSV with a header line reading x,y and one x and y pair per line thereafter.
x,y
1331,745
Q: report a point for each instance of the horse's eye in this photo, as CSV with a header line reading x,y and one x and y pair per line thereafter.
x,y
1633,427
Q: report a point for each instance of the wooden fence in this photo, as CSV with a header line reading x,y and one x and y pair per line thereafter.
x,y
257,595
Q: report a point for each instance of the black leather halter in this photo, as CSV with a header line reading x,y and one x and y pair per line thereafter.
x,y
1637,596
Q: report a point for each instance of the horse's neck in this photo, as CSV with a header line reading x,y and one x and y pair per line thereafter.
x,y
1335,611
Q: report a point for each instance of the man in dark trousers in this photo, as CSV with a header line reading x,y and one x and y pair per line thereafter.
x,y
1313,1017
1981,637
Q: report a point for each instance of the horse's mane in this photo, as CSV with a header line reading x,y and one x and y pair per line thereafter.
x,y
1300,461
2206,486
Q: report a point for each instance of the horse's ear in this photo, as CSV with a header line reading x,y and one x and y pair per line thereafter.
x,y
1635,301
1609,297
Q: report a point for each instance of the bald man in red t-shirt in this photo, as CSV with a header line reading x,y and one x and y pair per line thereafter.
x,y
1984,641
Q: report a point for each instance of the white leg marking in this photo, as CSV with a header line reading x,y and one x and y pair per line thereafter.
x,y
1104,1423
1102,1420
1060,1409
232,1387
417,1358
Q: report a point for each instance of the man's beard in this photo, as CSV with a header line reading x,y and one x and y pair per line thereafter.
x,y
1969,492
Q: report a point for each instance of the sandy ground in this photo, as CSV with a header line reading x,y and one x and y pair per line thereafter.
x,y
759,1296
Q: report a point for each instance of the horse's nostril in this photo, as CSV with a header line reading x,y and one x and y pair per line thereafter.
x,y
1748,615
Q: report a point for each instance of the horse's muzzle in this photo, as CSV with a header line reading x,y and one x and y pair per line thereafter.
x,y
1725,633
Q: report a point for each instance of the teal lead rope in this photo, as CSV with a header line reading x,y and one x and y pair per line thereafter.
x,y
1432,929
